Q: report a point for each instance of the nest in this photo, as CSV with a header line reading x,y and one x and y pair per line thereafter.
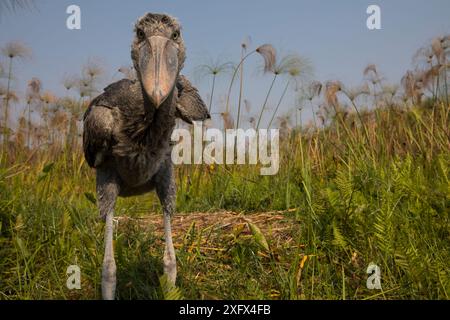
x,y
276,226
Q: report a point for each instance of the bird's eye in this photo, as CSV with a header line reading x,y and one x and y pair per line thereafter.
x,y
175,35
140,34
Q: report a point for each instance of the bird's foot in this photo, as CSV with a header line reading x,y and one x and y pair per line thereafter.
x,y
170,269
109,280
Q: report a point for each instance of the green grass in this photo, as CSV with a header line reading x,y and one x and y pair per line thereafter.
x,y
355,197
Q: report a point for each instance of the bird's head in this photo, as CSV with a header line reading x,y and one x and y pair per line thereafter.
x,y
158,55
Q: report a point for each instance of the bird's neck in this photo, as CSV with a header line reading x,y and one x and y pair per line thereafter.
x,y
160,121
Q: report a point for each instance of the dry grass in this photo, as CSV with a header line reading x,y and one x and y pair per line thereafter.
x,y
275,225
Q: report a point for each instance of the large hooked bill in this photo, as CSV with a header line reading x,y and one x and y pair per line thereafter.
x,y
158,64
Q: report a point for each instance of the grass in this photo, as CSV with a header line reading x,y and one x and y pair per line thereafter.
x,y
345,196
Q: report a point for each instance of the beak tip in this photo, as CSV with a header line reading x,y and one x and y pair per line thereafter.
x,y
158,98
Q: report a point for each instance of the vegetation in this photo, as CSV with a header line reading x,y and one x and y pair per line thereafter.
x,y
366,181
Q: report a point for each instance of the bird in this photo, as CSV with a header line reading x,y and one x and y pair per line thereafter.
x,y
127,131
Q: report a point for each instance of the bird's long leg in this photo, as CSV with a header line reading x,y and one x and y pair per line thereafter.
x,y
109,264
107,192
166,190
170,262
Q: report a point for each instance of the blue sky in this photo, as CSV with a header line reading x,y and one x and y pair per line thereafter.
x,y
331,34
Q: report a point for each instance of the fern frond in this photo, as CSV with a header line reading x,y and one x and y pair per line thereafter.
x,y
339,239
383,230
170,291
344,184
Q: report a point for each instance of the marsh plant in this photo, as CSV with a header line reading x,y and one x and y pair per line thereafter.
x,y
266,51
213,68
12,51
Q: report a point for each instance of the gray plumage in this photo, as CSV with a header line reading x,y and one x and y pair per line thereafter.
x,y
122,125
127,130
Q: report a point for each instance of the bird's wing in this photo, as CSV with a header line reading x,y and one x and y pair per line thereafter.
x,y
98,130
102,119
190,106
